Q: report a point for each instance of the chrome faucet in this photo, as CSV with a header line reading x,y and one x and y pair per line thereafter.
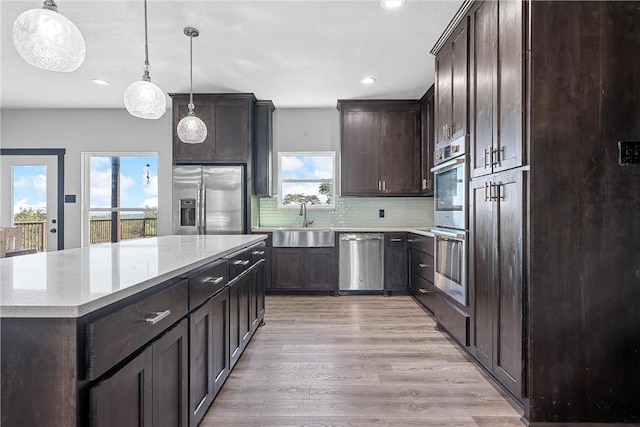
x,y
303,212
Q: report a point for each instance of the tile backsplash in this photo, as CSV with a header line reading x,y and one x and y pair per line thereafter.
x,y
354,212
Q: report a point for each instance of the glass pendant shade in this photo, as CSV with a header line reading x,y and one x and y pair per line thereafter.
x,y
145,100
191,129
46,39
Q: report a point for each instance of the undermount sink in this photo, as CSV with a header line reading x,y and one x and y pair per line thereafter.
x,y
303,238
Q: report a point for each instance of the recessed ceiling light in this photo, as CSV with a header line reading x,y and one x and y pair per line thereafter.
x,y
368,80
100,82
392,4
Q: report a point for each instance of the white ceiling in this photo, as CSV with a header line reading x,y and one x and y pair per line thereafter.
x,y
306,53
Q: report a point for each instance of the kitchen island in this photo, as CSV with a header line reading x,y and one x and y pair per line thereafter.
x,y
73,321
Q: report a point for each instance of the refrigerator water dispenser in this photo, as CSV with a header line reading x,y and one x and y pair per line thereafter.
x,y
187,212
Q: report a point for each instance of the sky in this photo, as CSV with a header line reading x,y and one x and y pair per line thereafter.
x,y
316,167
30,183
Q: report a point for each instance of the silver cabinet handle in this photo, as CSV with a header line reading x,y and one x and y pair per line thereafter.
x,y
241,262
384,185
396,240
423,291
411,240
258,252
379,185
158,316
214,280
487,153
423,265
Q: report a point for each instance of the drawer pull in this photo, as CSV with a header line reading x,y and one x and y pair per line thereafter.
x,y
214,280
258,252
423,265
241,262
396,240
423,291
158,316
412,240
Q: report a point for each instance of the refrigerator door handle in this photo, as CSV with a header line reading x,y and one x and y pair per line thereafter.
x,y
198,208
203,219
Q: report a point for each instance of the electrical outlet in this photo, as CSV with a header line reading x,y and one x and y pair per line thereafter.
x,y
69,198
381,213
629,152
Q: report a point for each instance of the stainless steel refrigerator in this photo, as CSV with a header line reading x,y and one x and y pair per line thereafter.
x,y
208,199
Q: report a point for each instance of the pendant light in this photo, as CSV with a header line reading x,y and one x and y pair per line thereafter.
x,y
46,39
144,99
191,130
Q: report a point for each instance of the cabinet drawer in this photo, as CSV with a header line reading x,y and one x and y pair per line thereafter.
x,y
422,265
112,338
239,263
421,243
454,320
425,292
395,240
207,282
258,252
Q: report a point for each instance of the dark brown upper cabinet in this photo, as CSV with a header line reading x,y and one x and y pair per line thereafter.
x,y
263,149
229,120
496,88
427,141
380,143
451,112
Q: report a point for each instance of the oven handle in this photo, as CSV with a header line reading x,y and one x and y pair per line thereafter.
x,y
448,164
452,234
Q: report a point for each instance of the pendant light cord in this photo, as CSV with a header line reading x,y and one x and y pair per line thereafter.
x,y
190,69
146,45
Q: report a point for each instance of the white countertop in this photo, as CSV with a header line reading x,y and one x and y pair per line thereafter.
x,y
420,230
74,282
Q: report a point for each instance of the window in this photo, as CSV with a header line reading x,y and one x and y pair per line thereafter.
x,y
306,178
120,197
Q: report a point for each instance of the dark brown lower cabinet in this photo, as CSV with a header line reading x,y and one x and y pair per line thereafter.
x,y
256,296
209,354
239,313
150,390
395,263
496,275
304,269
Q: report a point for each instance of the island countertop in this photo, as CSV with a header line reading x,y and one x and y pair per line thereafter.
x,y
74,282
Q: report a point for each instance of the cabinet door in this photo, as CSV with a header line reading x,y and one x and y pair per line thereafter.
x,y
257,296
427,142
443,92
360,152
201,387
220,339
481,269
509,144
244,324
287,268
125,398
235,338
459,97
170,378
233,129
395,262
320,269
263,149
400,163
510,280
485,51
205,110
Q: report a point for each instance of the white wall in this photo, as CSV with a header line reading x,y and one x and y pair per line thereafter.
x,y
306,129
98,130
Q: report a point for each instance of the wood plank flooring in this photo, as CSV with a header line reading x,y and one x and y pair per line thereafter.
x,y
356,361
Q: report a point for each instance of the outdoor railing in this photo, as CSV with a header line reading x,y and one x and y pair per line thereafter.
x,y
34,234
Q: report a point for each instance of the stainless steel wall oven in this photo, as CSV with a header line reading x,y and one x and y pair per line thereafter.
x,y
450,263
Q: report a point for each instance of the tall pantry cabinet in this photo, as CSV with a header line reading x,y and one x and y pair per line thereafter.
x,y
554,253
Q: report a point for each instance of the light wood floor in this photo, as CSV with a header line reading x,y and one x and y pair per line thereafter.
x,y
355,361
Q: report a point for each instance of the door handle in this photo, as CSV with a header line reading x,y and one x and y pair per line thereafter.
x,y
214,280
53,230
423,265
423,291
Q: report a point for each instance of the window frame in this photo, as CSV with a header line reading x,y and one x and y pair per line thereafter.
x,y
86,188
331,154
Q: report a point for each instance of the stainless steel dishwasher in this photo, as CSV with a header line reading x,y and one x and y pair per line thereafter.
x,y
361,262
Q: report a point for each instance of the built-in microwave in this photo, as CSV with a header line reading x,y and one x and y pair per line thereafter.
x,y
450,194
450,263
